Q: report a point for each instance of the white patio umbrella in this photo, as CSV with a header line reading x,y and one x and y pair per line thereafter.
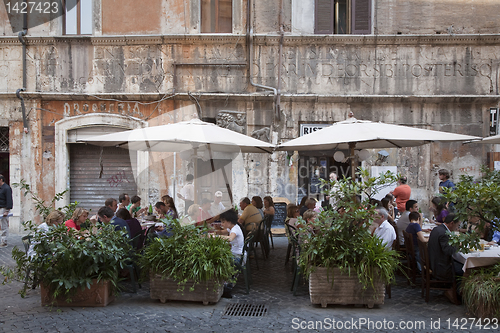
x,y
183,136
489,140
193,135
362,134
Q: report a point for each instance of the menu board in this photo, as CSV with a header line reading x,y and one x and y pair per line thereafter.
x,y
279,214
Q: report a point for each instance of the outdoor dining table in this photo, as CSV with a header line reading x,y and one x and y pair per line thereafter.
x,y
489,256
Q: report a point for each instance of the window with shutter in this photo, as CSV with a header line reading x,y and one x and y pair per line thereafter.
x,y
216,16
342,17
361,17
324,11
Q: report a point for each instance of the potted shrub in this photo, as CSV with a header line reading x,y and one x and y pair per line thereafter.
x,y
344,262
481,292
73,268
188,265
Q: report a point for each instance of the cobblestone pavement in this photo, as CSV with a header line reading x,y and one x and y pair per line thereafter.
x,y
271,286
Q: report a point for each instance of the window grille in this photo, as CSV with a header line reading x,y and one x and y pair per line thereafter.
x,y
4,139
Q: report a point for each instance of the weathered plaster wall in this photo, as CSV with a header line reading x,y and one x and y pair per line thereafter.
x,y
120,17
437,16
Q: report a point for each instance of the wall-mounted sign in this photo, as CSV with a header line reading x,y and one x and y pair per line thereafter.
x,y
493,121
309,128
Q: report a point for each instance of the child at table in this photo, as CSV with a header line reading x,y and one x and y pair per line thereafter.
x,y
417,233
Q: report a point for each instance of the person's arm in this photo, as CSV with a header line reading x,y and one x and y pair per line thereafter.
x,y
420,236
230,238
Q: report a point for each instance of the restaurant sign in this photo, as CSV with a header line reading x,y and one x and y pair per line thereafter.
x,y
309,128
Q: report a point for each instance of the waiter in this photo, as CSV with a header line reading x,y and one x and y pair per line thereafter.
x,y
5,207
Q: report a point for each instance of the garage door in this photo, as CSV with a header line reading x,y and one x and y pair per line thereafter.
x,y
96,176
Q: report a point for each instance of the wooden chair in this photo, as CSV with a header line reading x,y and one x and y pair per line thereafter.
x,y
411,271
269,220
428,280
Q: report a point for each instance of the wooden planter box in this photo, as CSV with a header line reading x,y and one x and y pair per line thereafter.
x,y
344,290
99,294
167,290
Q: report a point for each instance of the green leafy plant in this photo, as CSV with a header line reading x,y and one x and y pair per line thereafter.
x,y
476,198
67,259
42,207
481,292
341,237
189,254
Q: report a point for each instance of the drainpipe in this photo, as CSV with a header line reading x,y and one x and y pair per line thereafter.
x,y
18,91
250,59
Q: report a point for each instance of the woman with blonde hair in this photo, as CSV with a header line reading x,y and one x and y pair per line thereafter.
x,y
55,218
192,216
78,218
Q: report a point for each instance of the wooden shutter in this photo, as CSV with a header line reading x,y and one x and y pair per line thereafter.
x,y
324,11
361,17
225,17
88,187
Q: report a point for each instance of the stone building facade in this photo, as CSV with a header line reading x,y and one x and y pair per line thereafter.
x,y
264,67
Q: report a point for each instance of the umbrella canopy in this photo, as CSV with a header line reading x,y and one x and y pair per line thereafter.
x,y
368,135
489,140
362,134
183,136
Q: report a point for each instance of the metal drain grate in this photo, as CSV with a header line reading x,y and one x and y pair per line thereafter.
x,y
245,310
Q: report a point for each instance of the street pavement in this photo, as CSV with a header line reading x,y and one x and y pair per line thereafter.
x,y
406,311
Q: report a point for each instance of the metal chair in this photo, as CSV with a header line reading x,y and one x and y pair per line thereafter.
x,y
269,221
27,243
244,265
295,251
428,280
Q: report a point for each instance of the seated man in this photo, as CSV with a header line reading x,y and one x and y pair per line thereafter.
x,y
250,216
385,230
440,253
404,221
107,215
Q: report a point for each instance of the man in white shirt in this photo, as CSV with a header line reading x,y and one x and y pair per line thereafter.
x,y
187,192
217,207
384,231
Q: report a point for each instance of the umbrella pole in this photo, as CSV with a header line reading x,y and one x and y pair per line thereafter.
x,y
195,171
352,145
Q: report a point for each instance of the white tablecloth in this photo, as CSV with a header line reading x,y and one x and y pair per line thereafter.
x,y
478,258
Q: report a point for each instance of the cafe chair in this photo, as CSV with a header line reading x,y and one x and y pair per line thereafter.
x,y
252,253
428,280
262,239
244,265
289,248
27,243
411,267
295,257
269,221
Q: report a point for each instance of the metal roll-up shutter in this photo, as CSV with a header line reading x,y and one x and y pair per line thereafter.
x,y
95,177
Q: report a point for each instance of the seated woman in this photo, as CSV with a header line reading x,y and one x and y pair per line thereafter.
x,y
171,210
292,214
78,218
438,207
386,203
192,216
134,225
257,202
268,207
54,219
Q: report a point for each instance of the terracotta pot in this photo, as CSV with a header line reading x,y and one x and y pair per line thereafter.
x,y
99,294
344,290
168,290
